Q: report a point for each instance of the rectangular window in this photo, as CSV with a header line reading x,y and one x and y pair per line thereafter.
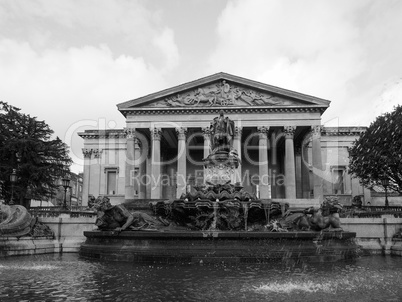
x,y
338,185
111,182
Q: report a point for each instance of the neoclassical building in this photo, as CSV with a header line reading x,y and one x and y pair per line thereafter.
x,y
284,151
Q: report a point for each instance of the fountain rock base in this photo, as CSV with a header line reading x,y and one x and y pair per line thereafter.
x,y
217,246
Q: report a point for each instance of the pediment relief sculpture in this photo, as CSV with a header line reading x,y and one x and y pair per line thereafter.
x,y
221,94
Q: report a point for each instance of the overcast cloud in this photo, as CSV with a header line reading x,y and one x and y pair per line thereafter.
x,y
70,62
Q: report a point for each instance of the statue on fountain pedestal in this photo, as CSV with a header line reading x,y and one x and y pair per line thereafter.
x,y
223,161
222,132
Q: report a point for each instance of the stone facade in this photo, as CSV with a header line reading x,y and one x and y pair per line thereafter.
x,y
284,151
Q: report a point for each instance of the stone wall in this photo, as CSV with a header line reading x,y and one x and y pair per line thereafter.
x,y
13,246
68,229
375,235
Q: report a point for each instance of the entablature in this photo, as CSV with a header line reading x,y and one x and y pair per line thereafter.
x,y
215,110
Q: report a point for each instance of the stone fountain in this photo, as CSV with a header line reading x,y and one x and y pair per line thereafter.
x,y
22,234
219,222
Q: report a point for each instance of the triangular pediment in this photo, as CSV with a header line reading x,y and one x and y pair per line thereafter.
x,y
223,90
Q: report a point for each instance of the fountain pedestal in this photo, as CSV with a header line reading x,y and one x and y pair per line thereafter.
x,y
217,246
220,168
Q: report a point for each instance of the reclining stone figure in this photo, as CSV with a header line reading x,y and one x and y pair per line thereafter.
x,y
312,219
118,218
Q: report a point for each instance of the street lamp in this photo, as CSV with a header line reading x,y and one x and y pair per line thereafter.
x,y
66,184
13,179
385,183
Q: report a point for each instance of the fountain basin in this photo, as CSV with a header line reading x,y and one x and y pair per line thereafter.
x,y
218,246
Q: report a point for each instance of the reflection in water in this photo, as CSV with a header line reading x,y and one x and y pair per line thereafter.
x,y
69,278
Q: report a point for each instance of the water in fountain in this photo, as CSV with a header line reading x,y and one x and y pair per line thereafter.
x,y
68,278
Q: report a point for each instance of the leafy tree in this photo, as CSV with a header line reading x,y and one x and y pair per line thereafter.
x,y
26,145
377,153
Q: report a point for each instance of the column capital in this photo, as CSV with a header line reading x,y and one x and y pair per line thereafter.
x,y
238,132
97,152
87,152
262,132
181,133
156,133
289,131
130,132
316,131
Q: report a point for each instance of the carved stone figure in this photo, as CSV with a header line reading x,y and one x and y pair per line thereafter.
x,y
173,102
324,218
318,221
223,160
118,218
222,132
16,221
222,94
205,97
357,201
252,98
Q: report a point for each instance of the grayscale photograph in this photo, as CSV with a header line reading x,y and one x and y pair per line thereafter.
x,y
200,150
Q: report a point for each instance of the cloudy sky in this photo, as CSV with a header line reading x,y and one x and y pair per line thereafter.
x,y
70,62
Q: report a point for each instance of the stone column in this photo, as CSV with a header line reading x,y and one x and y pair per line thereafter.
x,y
139,168
305,171
87,170
95,186
129,165
290,173
142,174
206,132
181,162
273,164
237,145
263,162
148,169
156,134
298,169
317,162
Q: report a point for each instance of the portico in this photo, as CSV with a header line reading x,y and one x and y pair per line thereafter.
x,y
167,136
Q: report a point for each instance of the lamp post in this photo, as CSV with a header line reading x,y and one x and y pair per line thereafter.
x,y
13,179
66,184
385,183
71,192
